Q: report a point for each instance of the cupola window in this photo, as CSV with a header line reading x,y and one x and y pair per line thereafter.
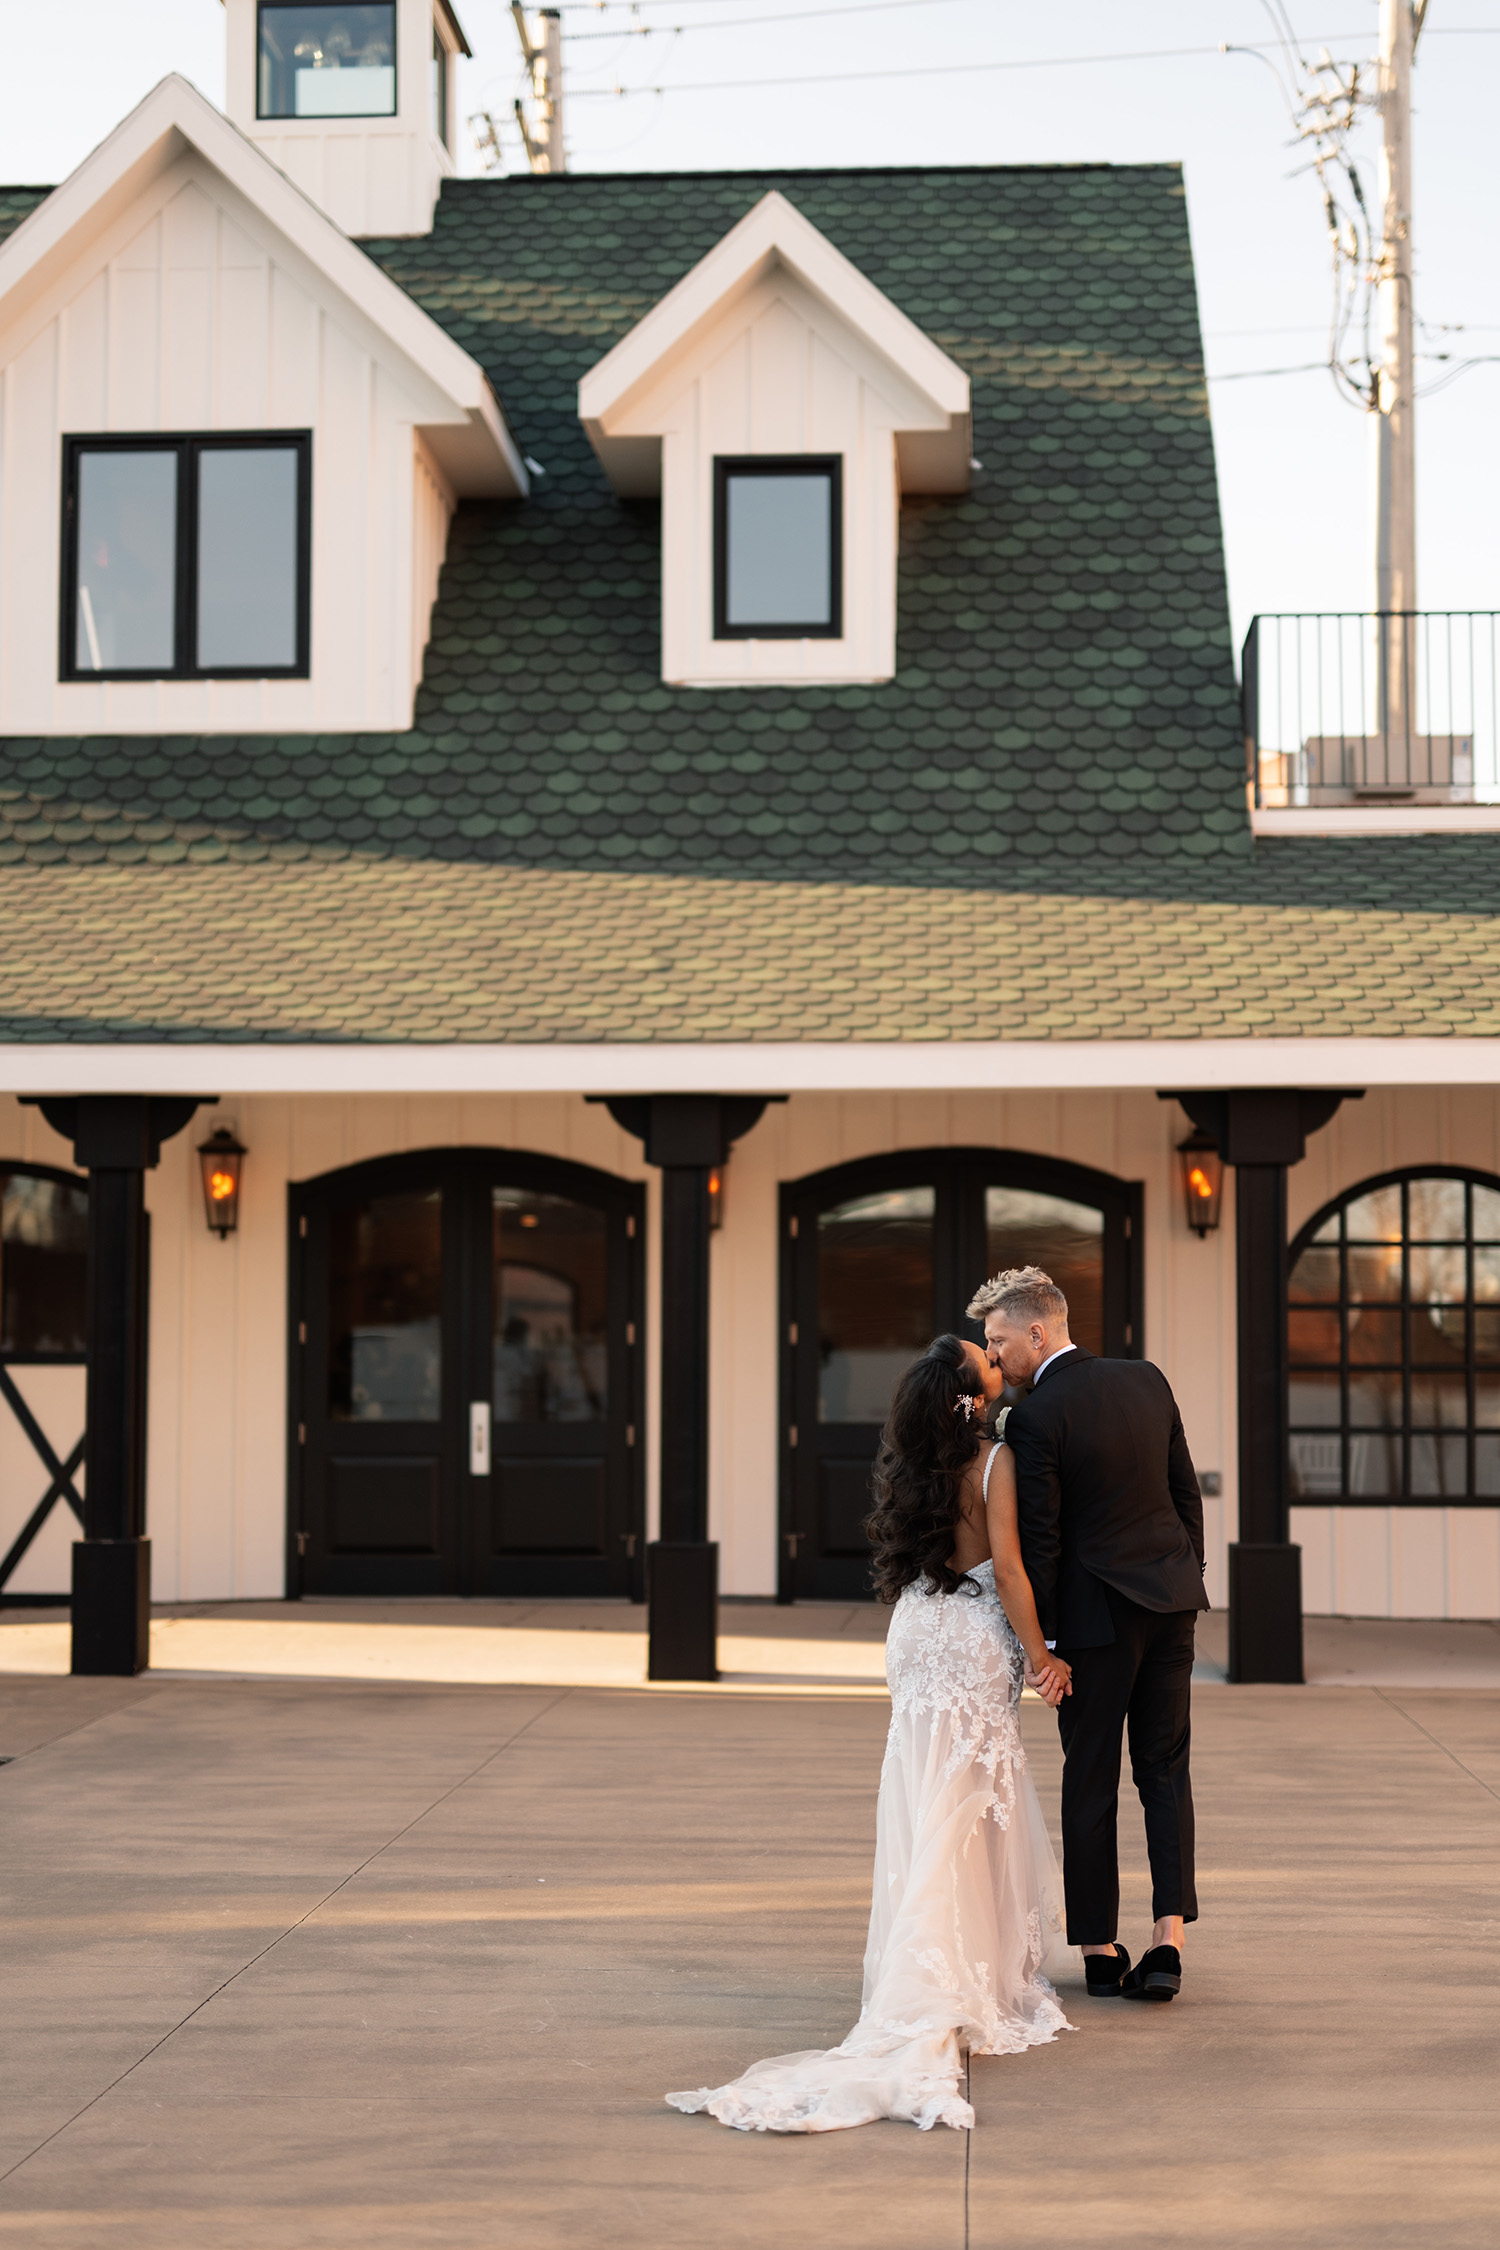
x,y
778,547
326,58
186,557
440,87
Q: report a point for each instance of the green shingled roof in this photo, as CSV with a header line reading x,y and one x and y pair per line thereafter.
x,y
1061,739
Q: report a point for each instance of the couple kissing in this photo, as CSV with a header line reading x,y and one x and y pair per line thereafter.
x,y
1065,1555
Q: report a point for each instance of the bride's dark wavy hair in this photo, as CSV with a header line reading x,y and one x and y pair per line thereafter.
x,y
926,1446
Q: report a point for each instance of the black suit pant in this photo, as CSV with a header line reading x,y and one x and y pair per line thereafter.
x,y
1141,1680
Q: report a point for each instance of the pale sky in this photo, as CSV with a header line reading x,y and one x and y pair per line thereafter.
x,y
1293,461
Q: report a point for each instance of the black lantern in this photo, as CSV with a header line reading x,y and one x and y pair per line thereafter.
x,y
221,1157
1202,1181
716,1197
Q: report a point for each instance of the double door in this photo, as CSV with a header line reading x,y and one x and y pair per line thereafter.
x,y
466,1371
880,1256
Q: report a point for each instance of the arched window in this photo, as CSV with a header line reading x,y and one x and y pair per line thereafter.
x,y
1394,1334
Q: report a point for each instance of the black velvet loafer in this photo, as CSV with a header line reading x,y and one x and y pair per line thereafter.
x,y
1104,1971
1159,1976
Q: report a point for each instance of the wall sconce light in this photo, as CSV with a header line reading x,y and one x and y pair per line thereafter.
x,y
716,1197
222,1158
1202,1181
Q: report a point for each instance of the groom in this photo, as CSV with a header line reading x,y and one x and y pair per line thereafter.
x,y
1111,1525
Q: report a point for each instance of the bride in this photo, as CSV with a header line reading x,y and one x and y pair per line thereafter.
x,y
967,1910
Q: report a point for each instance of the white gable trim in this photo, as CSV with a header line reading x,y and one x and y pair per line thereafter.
x,y
470,439
773,233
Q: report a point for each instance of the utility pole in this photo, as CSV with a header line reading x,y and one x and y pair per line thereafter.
x,y
542,137
1395,426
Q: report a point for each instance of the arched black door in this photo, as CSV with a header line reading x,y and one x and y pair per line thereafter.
x,y
881,1255
466,1364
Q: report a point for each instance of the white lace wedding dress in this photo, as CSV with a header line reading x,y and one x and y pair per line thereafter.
x,y
967,1907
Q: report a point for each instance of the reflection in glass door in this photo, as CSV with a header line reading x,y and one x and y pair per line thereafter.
x,y
1024,1227
878,1257
378,1444
874,1284
466,1379
550,1455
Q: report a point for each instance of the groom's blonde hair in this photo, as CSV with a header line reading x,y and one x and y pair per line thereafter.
x,y
1021,1294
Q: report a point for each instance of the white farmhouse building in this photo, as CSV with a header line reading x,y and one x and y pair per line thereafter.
x,y
656,762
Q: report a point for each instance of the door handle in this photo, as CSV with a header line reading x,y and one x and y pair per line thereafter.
x,y
479,1438
792,1538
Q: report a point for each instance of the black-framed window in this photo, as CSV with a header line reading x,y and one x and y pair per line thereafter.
x,y
439,86
779,547
186,557
326,58
1394,1334
44,1240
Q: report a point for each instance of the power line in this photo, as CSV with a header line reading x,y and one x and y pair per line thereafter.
x,y
924,70
1321,367
740,23
1254,374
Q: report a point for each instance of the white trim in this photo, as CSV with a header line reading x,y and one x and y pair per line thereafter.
x,y
1022,1065
773,233
472,441
1374,820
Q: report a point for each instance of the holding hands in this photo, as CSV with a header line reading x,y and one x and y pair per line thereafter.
x,y
1052,1677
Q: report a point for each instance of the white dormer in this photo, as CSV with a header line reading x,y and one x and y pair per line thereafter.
x,y
231,439
780,404
355,100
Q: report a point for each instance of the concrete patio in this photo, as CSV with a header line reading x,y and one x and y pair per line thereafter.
x,y
391,1964
763,1648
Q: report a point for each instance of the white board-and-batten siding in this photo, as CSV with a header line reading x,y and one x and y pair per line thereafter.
x,y
219,1346
432,512
778,375
189,313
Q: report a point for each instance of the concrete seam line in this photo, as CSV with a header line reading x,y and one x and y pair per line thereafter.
x,y
292,1927
82,1727
1437,1745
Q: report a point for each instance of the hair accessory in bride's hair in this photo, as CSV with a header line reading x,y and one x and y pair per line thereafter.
x,y
965,1406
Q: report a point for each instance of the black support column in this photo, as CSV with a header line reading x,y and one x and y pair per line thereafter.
x,y
117,1139
1261,1131
689,1136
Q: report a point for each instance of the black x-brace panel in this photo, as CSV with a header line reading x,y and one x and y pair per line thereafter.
x,y
60,1474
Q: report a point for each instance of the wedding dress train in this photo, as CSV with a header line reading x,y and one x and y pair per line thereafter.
x,y
966,1913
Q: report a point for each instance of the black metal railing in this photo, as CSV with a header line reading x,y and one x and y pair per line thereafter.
x,y
1383,708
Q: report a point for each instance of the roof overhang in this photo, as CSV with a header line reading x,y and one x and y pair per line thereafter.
x,y
748,1066
467,434
445,10
933,451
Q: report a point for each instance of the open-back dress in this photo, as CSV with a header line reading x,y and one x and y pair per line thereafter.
x,y
966,1915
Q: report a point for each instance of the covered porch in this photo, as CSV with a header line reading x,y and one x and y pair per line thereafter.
x,y
408,1260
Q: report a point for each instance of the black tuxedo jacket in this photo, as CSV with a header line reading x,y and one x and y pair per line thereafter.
x,y
1106,1491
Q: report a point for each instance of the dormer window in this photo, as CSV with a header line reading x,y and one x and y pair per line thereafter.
x,y
326,58
186,557
778,547
780,405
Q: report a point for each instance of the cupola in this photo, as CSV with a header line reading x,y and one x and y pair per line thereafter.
x,y
354,100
